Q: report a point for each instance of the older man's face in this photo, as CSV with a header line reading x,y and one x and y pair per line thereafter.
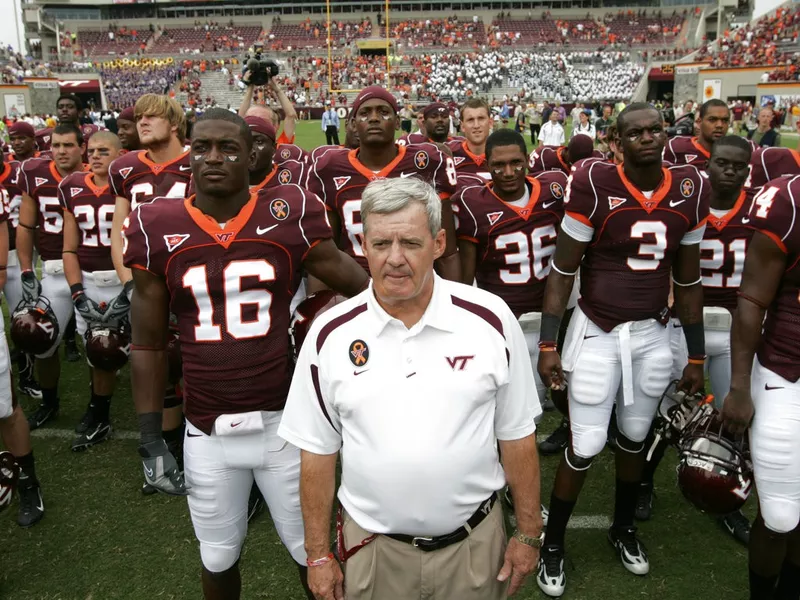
x,y
400,252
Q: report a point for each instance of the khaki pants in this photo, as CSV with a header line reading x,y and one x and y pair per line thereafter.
x,y
388,569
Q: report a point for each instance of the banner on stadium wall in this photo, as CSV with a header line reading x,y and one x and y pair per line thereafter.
x,y
80,85
15,104
712,88
690,70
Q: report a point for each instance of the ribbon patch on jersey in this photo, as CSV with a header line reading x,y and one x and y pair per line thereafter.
x,y
359,353
173,240
615,201
285,154
125,172
279,209
557,190
74,192
40,181
494,217
421,159
285,176
340,182
687,187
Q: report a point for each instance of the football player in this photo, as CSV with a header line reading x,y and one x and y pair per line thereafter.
x,y
88,205
626,227
68,111
561,158
722,257
712,123
476,123
23,142
338,175
127,132
40,212
162,169
14,430
435,127
771,163
9,179
263,170
350,134
765,394
226,261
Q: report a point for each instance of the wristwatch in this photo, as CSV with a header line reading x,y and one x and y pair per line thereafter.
x,y
533,542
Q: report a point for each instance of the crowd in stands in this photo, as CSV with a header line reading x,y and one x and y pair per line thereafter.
x,y
209,37
450,32
315,34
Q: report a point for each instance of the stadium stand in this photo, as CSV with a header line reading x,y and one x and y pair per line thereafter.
x,y
439,33
120,42
310,34
213,38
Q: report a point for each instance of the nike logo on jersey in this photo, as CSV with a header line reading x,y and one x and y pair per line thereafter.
x,y
769,388
261,231
190,434
588,337
356,373
236,424
548,204
183,168
745,219
404,175
673,204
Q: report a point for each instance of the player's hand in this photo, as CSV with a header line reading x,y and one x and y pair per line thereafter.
x,y
31,287
326,581
88,309
118,309
549,367
161,469
737,411
693,379
520,561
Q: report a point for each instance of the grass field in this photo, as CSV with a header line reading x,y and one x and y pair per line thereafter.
x,y
102,540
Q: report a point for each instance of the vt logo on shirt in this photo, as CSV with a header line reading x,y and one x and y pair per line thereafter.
x,y
459,363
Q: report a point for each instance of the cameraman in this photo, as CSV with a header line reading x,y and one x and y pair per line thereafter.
x,y
290,116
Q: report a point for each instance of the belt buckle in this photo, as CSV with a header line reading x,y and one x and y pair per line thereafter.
x,y
416,541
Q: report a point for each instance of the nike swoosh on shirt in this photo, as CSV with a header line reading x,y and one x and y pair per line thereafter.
x,y
360,372
236,424
404,175
745,219
190,434
588,337
261,231
182,168
673,204
548,204
769,388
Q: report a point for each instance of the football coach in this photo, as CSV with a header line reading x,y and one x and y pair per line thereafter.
x,y
417,381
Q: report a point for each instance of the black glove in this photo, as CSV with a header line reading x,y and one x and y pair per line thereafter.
x,y
87,308
31,287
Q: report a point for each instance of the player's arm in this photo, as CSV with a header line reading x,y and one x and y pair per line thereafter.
x,y
687,290
122,209
335,269
25,232
763,269
72,267
468,257
289,114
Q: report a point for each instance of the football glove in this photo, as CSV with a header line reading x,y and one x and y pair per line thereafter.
x,y
31,287
88,309
161,469
119,308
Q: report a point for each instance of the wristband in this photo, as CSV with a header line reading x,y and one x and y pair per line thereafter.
x,y
128,286
697,360
549,329
695,339
320,561
75,288
150,427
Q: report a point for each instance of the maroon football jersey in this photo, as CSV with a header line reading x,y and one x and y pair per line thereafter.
x,y
339,179
775,212
135,177
686,150
289,152
9,179
290,172
230,289
93,209
770,163
468,163
722,253
625,273
548,158
420,138
43,139
39,179
9,157
514,244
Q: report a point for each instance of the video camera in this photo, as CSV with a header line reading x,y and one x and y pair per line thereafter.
x,y
261,69
683,126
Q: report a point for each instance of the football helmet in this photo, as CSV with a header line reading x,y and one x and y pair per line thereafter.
x,y
34,327
107,347
305,313
714,470
9,475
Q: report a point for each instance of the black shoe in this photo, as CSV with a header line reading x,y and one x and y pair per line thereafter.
x,y
644,502
43,414
97,431
148,490
31,506
29,387
557,441
631,551
71,351
85,421
255,504
551,578
738,526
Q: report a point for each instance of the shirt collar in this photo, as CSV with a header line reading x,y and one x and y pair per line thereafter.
x,y
438,314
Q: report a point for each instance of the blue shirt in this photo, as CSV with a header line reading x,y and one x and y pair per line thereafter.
x,y
330,117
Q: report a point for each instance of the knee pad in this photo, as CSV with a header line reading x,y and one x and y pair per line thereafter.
x,y
588,441
218,558
577,463
634,428
780,516
627,445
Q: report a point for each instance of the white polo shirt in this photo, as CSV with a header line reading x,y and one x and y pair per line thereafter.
x,y
416,412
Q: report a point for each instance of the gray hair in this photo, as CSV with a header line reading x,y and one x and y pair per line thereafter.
x,y
386,196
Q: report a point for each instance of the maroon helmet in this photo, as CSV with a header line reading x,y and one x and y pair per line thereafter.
x,y
107,348
9,474
305,313
714,472
34,328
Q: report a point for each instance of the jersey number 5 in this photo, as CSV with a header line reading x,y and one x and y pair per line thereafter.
x,y
206,330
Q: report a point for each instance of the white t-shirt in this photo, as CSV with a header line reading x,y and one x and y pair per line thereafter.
x,y
415,412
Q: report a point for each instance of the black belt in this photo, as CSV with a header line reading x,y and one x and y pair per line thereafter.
x,y
429,544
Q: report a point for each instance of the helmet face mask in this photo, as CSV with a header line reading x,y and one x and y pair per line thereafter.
x,y
34,327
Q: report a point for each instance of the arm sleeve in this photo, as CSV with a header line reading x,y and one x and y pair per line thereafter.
x,y
315,182
24,184
466,223
517,401
445,177
310,420
773,213
313,223
136,243
580,199
63,197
